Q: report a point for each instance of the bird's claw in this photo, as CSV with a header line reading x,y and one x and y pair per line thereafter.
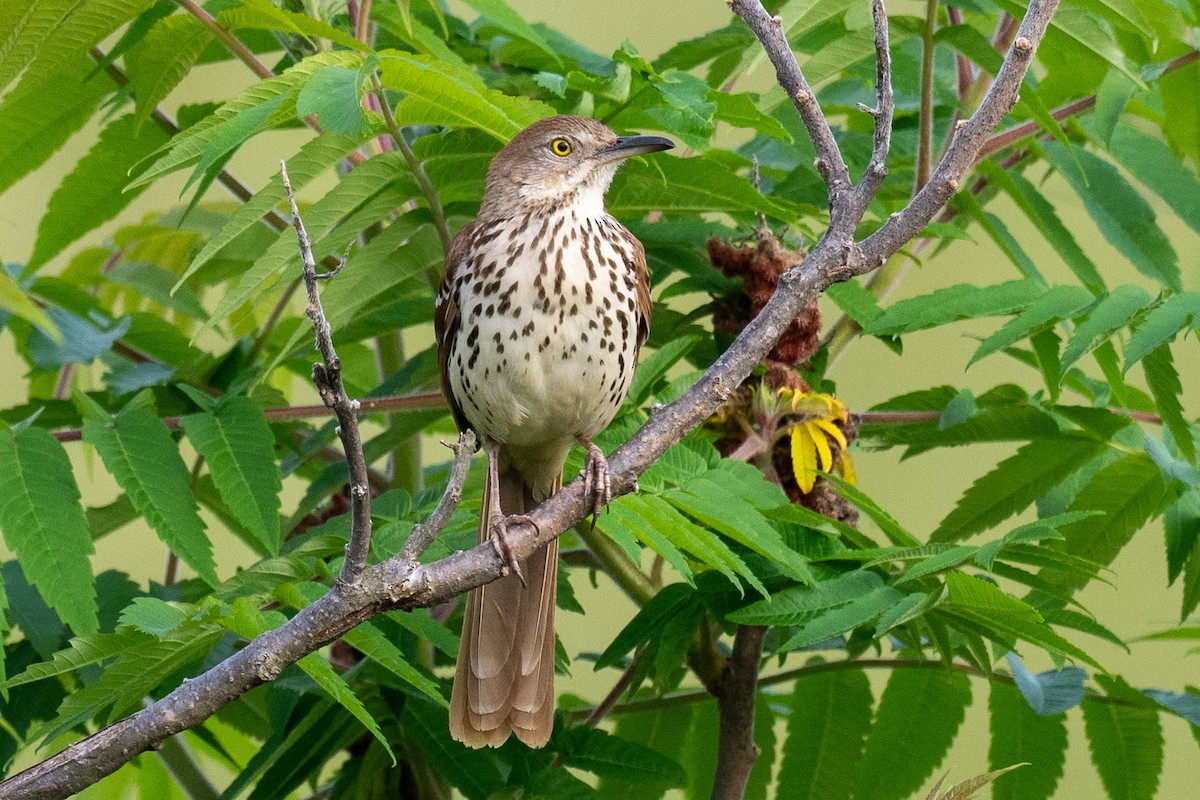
x,y
596,481
499,537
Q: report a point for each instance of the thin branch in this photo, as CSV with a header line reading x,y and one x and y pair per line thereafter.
x,y
328,379
829,162
962,64
885,106
736,750
415,168
225,36
925,116
398,584
424,533
598,713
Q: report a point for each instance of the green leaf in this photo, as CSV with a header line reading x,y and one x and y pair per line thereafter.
x,y
81,651
1127,493
239,448
161,60
1124,218
44,524
855,301
25,27
1000,617
334,95
1019,736
437,93
262,15
961,301
601,753
504,17
705,183
826,729
1163,380
153,616
1161,324
35,121
1033,204
473,772
799,604
1126,743
124,684
1060,302
91,194
918,715
1015,483
314,157
650,369
895,532
374,643
15,300
1159,170
669,601
843,619
139,452
712,504
261,105
1110,315
370,181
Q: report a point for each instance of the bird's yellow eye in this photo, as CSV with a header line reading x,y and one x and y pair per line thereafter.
x,y
560,147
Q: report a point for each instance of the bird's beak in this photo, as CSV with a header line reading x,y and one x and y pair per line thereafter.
x,y
627,146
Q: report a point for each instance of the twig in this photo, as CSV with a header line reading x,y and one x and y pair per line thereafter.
x,y
601,711
328,379
829,162
424,533
415,168
736,750
885,107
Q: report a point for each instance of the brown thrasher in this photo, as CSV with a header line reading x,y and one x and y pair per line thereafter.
x,y
544,305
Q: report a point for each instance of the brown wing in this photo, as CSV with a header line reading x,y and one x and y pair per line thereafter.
x,y
642,276
446,319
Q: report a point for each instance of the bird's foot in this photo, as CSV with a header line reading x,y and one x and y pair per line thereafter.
x,y
596,482
499,535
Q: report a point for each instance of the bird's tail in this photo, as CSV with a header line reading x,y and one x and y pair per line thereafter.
x,y
504,680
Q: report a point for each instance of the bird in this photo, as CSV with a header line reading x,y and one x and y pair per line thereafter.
x,y
542,310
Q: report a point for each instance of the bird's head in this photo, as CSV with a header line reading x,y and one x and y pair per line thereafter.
x,y
564,159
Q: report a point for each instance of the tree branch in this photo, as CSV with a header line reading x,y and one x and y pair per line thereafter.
x,y
398,584
736,750
328,378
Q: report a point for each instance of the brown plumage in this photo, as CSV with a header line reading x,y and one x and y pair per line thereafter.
x,y
544,305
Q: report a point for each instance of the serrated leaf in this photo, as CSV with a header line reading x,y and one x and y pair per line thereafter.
x,y
1014,484
161,60
855,301
651,368
375,644
918,715
826,729
1123,216
260,105
153,616
334,96
1161,324
1126,745
475,773
1110,315
139,452
713,505
504,17
1127,493
123,684
604,754
35,122
1021,736
961,301
313,158
15,300
843,619
81,651
1060,302
262,15
25,27
797,604
1033,203
437,93
44,524
91,194
239,448
1154,164
1000,617
705,183
1163,380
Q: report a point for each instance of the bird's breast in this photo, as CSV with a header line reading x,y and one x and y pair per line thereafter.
x,y
547,342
